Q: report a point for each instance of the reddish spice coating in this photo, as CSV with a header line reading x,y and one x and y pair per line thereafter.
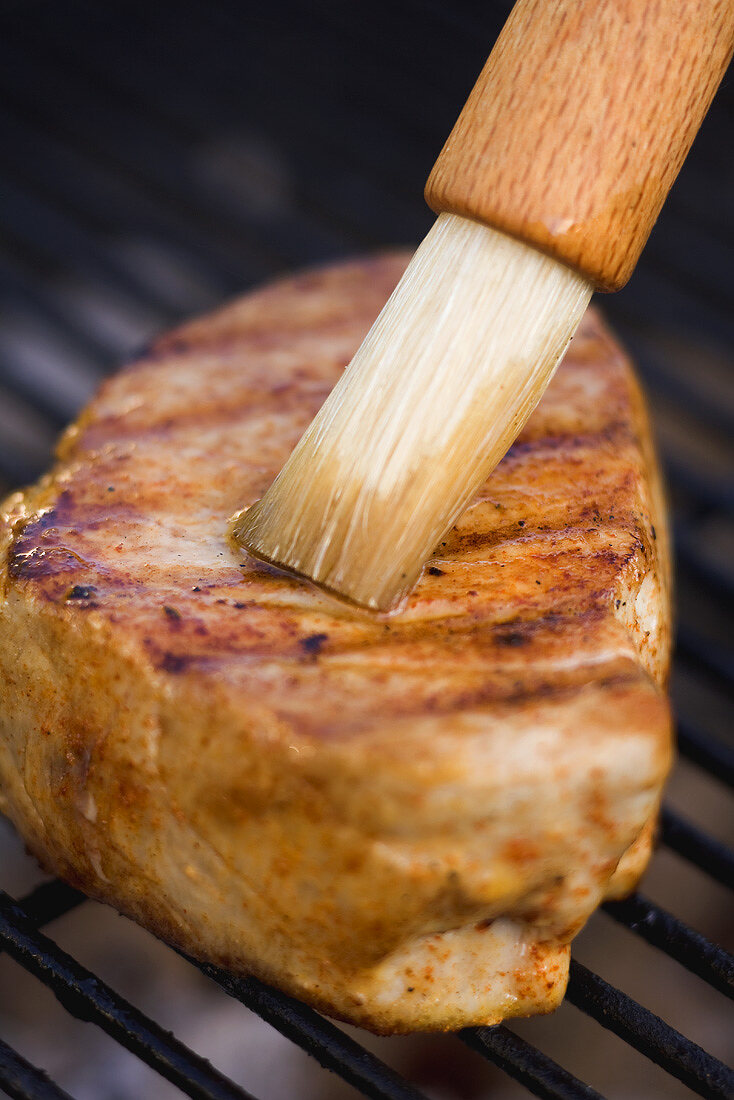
x,y
214,747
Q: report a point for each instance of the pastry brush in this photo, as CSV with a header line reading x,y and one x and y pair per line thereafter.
x,y
547,189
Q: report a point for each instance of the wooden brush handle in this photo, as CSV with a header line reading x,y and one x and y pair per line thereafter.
x,y
579,123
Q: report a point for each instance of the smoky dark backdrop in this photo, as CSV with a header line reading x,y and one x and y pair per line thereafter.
x,y
157,158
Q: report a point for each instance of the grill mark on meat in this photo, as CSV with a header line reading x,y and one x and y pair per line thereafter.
x,y
255,341
168,689
44,544
538,540
484,656
291,400
616,434
515,694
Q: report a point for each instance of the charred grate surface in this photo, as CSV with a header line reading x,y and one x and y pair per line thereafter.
x,y
155,159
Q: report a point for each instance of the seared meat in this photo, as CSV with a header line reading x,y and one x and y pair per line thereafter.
x,y
403,819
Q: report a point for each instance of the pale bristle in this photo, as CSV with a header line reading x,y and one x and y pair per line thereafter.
x,y
443,382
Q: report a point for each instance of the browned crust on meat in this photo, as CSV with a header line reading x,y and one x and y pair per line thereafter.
x,y
373,812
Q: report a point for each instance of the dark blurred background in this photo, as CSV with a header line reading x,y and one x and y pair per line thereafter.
x,y
157,158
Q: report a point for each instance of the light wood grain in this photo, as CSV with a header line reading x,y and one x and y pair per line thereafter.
x,y
580,122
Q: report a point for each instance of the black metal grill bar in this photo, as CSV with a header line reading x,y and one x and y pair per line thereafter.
x,y
540,1074
83,188
426,59
28,292
318,1037
74,144
14,380
704,487
336,1051
682,390
49,901
654,924
536,1071
709,753
707,310
16,471
48,233
86,189
23,1081
706,655
649,1034
87,998
115,136
705,852
661,929
655,293
714,576
324,120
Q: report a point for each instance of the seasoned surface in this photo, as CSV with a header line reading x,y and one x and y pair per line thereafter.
x,y
287,784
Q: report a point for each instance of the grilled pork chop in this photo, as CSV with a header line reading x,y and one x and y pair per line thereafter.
x,y
405,818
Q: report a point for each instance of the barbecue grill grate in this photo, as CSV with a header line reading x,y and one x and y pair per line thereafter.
x,y
157,158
